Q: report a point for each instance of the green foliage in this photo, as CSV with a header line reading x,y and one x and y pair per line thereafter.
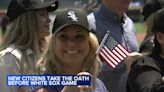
x,y
140,27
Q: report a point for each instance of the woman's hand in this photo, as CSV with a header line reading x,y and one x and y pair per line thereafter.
x,y
79,88
130,59
86,88
42,90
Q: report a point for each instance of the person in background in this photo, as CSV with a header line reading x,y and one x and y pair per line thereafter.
x,y
147,72
111,16
71,52
21,46
3,23
151,6
3,26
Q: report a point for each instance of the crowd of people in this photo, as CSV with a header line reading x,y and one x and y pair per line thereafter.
x,y
73,42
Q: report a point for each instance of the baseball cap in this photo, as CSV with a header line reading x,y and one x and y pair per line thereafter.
x,y
158,21
70,17
17,7
151,6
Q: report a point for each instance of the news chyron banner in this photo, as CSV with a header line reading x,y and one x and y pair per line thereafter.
x,y
48,80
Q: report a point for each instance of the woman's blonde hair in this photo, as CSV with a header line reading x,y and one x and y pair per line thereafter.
x,y
49,63
23,34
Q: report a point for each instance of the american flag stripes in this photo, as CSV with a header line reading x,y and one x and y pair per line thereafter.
x,y
111,51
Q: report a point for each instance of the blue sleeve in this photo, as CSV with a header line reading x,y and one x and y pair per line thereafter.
x,y
35,88
99,86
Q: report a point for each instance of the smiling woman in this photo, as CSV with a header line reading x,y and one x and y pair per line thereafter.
x,y
70,48
71,51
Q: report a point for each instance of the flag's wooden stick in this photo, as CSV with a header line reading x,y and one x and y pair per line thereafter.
x,y
102,42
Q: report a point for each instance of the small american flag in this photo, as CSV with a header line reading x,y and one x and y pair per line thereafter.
x,y
111,51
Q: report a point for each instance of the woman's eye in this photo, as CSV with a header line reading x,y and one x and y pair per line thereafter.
x,y
80,37
63,37
43,13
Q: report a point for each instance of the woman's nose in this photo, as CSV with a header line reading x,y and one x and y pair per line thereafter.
x,y
72,42
48,19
